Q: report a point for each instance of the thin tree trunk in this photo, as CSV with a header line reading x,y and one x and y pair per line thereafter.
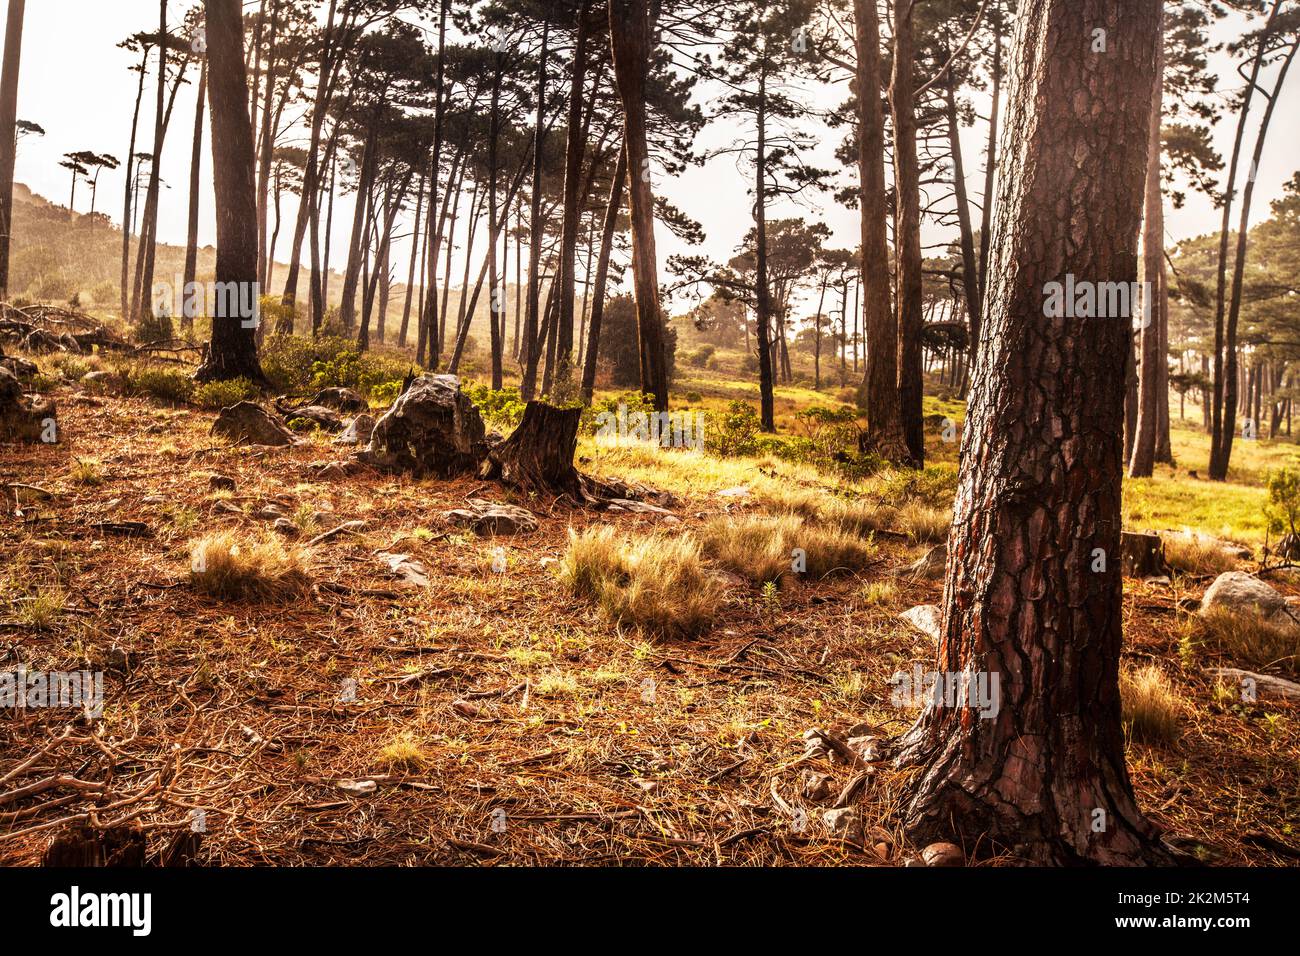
x,y
8,134
907,230
192,232
233,350
884,434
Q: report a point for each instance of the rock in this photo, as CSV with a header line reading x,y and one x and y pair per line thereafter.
x,y
268,512
358,431
547,562
222,506
930,565
814,745
221,483
21,367
638,507
943,854
845,824
815,786
343,400
729,579
313,416
246,423
1142,554
671,519
866,747
98,380
739,491
1236,591
330,470
1263,684
153,500
432,428
488,518
411,571
926,618
25,418
1230,548
285,527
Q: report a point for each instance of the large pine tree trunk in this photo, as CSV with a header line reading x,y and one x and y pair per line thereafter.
x,y
884,432
1039,491
8,133
233,350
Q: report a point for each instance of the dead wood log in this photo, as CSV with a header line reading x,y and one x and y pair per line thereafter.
x,y
24,418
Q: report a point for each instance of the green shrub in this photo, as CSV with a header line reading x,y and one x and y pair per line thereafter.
x,y
162,382
216,395
700,357
694,397
735,432
295,363
501,408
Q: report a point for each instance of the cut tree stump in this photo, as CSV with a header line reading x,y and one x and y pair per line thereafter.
x,y
24,418
1143,554
85,846
538,455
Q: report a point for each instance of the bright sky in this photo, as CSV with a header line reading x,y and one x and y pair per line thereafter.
x,y
75,82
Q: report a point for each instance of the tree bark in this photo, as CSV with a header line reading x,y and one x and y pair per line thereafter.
x,y
602,277
630,33
8,133
1039,490
192,229
907,229
233,350
1142,461
884,432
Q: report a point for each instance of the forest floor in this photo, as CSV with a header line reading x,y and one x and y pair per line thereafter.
x,y
498,719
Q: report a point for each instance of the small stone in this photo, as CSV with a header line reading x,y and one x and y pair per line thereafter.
x,y
285,527
943,854
153,500
867,748
739,491
221,483
816,786
1237,592
227,507
268,512
926,618
488,518
465,708
412,572
845,824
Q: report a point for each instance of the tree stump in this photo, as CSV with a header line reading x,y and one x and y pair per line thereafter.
x,y
24,418
538,455
86,846
1142,554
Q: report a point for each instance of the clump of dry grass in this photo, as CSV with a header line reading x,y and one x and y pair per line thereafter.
x,y
86,471
1151,707
1247,638
766,548
228,566
879,593
655,583
923,523
1197,554
756,547
40,610
403,752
